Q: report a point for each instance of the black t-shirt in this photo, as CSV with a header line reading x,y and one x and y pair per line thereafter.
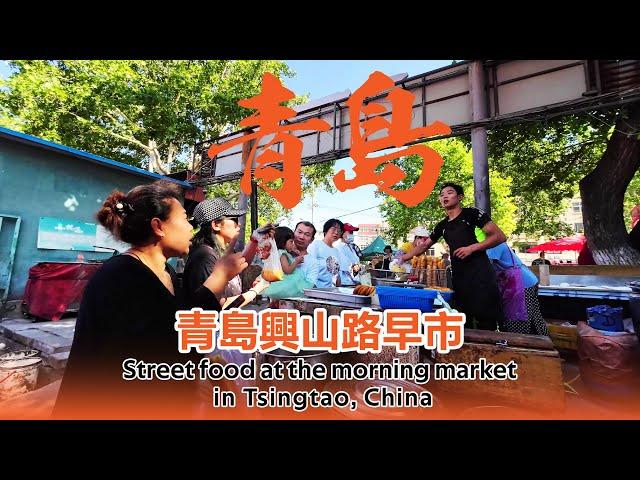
x,y
459,232
200,263
127,312
199,266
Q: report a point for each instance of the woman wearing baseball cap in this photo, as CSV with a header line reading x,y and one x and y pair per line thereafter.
x,y
218,223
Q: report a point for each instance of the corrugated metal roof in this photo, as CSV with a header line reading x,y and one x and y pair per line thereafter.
x,y
106,162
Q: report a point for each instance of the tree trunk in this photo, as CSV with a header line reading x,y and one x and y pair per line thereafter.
x,y
155,159
603,190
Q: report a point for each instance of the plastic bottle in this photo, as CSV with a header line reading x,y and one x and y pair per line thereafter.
x,y
544,274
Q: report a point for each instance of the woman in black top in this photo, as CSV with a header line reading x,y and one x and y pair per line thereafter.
x,y
474,279
218,226
128,311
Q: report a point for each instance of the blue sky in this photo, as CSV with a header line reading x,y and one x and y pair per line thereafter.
x,y
324,77
4,68
320,78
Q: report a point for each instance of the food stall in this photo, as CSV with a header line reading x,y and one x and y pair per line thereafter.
x,y
338,299
540,382
574,288
539,386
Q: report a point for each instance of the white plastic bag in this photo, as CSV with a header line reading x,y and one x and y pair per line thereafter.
x,y
272,269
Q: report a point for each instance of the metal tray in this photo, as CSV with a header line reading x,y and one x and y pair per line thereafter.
x,y
338,294
396,283
392,282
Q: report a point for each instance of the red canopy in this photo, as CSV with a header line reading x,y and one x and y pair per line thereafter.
x,y
573,244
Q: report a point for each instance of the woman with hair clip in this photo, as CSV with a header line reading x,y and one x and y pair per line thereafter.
x,y
128,312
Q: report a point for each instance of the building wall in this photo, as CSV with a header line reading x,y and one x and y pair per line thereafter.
x,y
573,215
36,183
367,234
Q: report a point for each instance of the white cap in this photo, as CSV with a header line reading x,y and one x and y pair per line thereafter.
x,y
420,232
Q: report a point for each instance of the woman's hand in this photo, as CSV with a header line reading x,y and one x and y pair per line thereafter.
x,y
232,265
266,231
227,267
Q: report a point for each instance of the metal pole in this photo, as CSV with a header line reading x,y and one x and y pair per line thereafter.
x,y
242,199
478,95
254,205
312,195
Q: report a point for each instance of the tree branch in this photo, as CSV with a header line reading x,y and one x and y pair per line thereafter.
x,y
109,132
170,154
131,122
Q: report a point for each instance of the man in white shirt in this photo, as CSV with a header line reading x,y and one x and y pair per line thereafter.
x,y
303,235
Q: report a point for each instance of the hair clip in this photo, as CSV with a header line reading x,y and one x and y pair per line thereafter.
x,y
124,208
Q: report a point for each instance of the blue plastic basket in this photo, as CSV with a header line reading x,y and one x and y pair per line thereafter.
x,y
398,297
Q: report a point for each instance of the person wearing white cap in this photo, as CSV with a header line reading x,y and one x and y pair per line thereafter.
x,y
349,257
420,234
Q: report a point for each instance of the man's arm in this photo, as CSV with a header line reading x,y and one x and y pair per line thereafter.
x,y
419,249
495,236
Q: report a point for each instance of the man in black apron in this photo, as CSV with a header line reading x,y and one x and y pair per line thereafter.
x,y
474,279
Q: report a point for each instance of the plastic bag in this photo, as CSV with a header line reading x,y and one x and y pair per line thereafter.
x,y
398,266
511,288
607,357
272,268
290,286
440,302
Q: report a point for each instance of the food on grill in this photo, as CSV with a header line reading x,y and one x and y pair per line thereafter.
x,y
366,290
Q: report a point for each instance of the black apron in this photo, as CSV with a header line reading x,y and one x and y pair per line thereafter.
x,y
473,278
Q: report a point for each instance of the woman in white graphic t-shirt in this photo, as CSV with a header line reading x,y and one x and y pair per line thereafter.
x,y
326,256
